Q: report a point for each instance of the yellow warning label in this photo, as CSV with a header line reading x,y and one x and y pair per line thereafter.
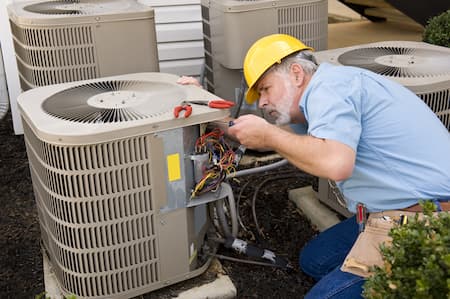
x,y
173,167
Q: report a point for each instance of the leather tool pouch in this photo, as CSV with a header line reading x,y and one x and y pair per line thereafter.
x,y
366,250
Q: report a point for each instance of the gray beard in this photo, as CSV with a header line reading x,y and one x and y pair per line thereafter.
x,y
280,120
283,120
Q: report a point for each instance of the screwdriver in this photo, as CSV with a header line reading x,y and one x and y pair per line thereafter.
x,y
361,215
218,104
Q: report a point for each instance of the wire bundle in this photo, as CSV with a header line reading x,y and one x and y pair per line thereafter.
x,y
221,161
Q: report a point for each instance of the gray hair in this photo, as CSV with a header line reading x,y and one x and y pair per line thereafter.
x,y
305,58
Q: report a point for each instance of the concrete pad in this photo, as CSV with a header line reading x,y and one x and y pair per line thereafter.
x,y
221,288
320,215
51,285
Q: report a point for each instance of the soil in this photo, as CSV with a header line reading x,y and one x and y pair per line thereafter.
x,y
283,229
20,254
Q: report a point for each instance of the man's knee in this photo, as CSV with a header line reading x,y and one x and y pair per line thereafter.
x,y
314,264
337,285
327,251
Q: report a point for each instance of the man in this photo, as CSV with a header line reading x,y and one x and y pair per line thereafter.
x,y
381,144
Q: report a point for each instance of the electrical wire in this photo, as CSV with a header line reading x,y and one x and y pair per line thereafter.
x,y
292,173
255,195
235,217
238,205
220,163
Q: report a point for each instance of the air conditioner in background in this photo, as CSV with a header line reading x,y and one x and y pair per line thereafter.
x,y
71,40
421,67
230,27
112,176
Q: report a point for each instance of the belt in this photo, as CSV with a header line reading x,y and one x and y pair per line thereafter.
x,y
445,207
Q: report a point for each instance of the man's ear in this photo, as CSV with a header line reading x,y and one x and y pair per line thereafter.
x,y
298,74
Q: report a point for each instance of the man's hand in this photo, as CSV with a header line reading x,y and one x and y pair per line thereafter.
x,y
251,131
321,157
187,80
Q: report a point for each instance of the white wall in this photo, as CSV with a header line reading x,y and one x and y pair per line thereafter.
x,y
179,35
12,76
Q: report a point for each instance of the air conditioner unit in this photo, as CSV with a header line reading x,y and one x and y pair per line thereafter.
x,y
71,40
112,176
230,27
421,67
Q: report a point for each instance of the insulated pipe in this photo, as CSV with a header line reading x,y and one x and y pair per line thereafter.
x,y
257,169
242,246
4,100
233,215
223,221
229,192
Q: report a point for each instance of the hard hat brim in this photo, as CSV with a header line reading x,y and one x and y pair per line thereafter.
x,y
252,96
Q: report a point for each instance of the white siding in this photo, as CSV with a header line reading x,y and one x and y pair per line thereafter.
x,y
179,35
9,59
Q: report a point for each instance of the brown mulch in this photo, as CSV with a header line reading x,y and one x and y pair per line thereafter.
x,y
284,229
20,255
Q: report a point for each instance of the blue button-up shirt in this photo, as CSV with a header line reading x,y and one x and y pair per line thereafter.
x,y
402,148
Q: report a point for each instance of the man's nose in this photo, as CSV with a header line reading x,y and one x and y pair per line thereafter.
x,y
262,102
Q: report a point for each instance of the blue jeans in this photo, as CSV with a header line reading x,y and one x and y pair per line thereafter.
x,y
322,258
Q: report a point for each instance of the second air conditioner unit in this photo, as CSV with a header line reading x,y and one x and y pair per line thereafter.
x,y
71,40
423,68
230,27
112,175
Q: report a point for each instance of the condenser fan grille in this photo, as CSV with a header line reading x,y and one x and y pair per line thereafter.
x,y
54,8
399,61
113,101
75,7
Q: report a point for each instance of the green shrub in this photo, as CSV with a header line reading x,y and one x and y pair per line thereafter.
x,y
437,30
43,295
417,264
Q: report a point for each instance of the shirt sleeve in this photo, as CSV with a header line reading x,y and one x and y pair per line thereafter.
x,y
333,111
300,129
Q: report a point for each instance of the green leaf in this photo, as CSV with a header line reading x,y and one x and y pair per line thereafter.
x,y
417,265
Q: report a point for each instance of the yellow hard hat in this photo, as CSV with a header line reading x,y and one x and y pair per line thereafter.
x,y
264,53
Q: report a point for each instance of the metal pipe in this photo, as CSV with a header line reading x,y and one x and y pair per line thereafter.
x,y
257,169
